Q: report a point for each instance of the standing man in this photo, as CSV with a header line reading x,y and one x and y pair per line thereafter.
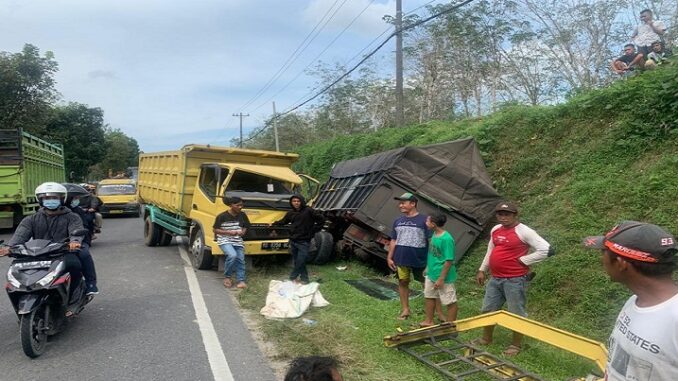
x,y
644,342
647,32
512,249
303,222
408,248
229,228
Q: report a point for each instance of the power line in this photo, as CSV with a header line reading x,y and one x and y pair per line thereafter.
x,y
352,58
374,51
297,52
316,57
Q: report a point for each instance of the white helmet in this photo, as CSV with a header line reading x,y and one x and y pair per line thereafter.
x,y
51,189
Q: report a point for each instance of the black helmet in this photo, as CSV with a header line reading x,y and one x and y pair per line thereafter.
x,y
74,190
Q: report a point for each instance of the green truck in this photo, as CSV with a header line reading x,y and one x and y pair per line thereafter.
x,y
26,161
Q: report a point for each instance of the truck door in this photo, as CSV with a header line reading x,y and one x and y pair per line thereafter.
x,y
207,202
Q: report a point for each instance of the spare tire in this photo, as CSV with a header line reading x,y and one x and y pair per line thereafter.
x,y
325,244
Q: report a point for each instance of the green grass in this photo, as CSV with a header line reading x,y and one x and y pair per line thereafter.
x,y
352,328
576,169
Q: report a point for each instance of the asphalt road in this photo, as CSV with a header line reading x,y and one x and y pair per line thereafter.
x,y
143,324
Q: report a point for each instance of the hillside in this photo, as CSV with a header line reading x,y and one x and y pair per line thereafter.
x,y
575,169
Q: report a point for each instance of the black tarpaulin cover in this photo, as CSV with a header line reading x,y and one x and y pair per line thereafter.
x,y
451,174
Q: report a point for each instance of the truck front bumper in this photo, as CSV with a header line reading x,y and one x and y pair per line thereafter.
x,y
267,247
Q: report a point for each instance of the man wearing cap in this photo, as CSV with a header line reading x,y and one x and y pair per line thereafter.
x,y
408,248
643,345
513,247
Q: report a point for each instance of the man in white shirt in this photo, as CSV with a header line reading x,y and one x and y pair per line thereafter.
x,y
647,32
643,345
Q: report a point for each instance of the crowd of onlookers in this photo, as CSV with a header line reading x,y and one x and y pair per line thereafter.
x,y
648,49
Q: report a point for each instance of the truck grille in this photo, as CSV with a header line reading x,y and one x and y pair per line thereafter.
x,y
264,232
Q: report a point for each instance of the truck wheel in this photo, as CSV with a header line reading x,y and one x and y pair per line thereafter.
x,y
325,245
152,232
165,238
201,259
362,254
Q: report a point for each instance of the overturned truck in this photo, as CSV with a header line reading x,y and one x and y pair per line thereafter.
x,y
358,199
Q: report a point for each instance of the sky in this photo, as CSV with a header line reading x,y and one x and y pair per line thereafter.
x,y
173,72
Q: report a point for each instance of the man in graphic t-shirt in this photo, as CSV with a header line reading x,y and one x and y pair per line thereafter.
x,y
643,345
408,248
513,247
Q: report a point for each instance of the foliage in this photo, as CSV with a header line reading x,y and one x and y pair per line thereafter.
x,y
80,130
122,151
576,169
26,89
28,100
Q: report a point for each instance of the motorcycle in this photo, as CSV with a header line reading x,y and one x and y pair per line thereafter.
x,y
38,287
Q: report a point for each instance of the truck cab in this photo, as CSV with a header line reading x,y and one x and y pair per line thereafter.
x,y
265,191
118,196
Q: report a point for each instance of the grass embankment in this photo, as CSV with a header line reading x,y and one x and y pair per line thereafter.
x,y
575,168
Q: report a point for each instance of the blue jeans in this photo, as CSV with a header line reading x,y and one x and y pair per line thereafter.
x,y
87,265
235,257
513,291
299,250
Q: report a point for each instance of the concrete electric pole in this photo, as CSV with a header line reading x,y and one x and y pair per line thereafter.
x,y
400,111
241,115
275,129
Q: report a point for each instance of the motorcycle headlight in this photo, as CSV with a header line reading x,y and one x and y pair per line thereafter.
x,y
12,280
49,278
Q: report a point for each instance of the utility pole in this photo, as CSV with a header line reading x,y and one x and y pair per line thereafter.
x,y
241,115
400,113
275,129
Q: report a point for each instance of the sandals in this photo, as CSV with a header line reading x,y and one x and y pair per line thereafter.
x,y
228,283
511,350
403,316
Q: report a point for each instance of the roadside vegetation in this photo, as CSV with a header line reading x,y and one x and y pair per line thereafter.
x,y
575,168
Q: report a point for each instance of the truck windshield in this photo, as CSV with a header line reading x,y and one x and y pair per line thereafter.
x,y
252,182
113,189
259,192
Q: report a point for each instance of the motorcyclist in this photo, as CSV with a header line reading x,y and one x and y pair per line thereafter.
x,y
92,205
53,222
77,196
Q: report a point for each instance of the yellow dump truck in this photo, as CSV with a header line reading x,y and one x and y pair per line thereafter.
x,y
183,192
118,196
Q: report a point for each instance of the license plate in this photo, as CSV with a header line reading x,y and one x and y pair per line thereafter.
x,y
275,245
116,211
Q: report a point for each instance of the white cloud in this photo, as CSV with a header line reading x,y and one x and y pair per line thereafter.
x,y
163,69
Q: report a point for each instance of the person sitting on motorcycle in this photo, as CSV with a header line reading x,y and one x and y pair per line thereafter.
x,y
53,222
92,205
78,195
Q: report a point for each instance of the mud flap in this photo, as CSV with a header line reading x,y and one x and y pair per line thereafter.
x,y
29,302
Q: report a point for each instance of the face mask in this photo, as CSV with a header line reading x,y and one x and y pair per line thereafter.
x,y
51,204
75,203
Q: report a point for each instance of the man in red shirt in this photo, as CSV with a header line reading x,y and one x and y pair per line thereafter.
x,y
512,249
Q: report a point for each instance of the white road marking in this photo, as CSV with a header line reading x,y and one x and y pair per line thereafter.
x,y
215,354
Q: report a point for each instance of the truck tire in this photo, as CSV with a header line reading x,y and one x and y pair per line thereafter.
x,y
165,238
325,244
200,258
152,232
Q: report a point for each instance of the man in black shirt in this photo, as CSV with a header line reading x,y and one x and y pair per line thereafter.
x,y
304,221
628,62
